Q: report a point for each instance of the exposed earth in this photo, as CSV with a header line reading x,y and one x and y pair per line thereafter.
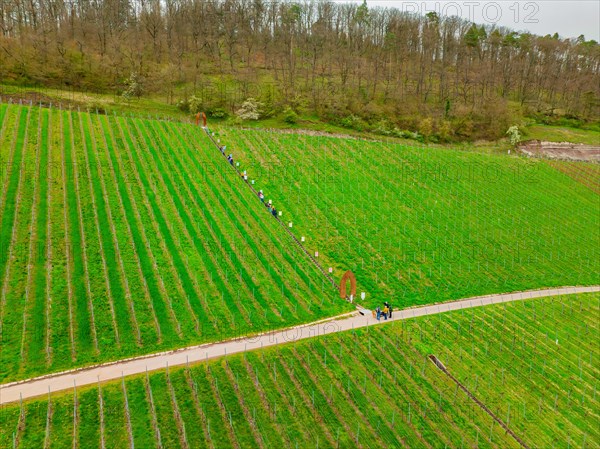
x,y
561,150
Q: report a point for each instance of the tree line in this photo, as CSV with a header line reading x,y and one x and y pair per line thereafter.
x,y
347,63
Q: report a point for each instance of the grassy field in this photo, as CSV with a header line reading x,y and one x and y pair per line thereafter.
x,y
562,134
143,107
421,225
533,364
121,236
125,236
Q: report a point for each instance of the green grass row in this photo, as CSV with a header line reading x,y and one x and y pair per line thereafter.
x,y
533,363
562,134
127,236
424,225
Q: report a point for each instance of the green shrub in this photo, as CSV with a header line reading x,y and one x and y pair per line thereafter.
x,y
445,131
217,113
353,122
195,104
290,116
426,127
383,127
183,105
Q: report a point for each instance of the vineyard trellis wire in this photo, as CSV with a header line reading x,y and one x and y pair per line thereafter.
x,y
370,386
105,273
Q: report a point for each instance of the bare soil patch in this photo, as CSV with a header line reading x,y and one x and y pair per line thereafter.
x,y
561,150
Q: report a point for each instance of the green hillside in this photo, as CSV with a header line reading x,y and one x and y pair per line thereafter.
x,y
419,225
533,364
126,236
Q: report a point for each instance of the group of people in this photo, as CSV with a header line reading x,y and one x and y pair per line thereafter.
x,y
244,175
223,149
269,204
386,312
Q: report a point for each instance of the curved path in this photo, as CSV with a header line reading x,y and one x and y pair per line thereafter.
x,y
38,386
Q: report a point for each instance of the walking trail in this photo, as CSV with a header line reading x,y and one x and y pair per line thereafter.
x,y
66,380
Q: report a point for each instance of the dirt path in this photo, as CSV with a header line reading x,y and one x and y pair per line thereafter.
x,y
85,376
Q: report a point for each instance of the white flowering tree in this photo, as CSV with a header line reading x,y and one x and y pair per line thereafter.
x,y
514,135
250,110
134,87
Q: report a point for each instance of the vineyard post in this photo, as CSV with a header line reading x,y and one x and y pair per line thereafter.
x,y
74,411
48,415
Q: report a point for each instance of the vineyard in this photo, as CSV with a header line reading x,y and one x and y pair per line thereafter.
x,y
123,236
419,225
533,364
586,173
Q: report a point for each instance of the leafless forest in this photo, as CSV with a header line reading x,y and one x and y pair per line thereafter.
x,y
336,61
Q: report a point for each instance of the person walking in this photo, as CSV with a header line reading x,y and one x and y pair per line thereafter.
x,y
378,312
261,196
386,310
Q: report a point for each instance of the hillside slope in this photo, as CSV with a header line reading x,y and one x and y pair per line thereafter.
x,y
419,225
373,387
125,236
